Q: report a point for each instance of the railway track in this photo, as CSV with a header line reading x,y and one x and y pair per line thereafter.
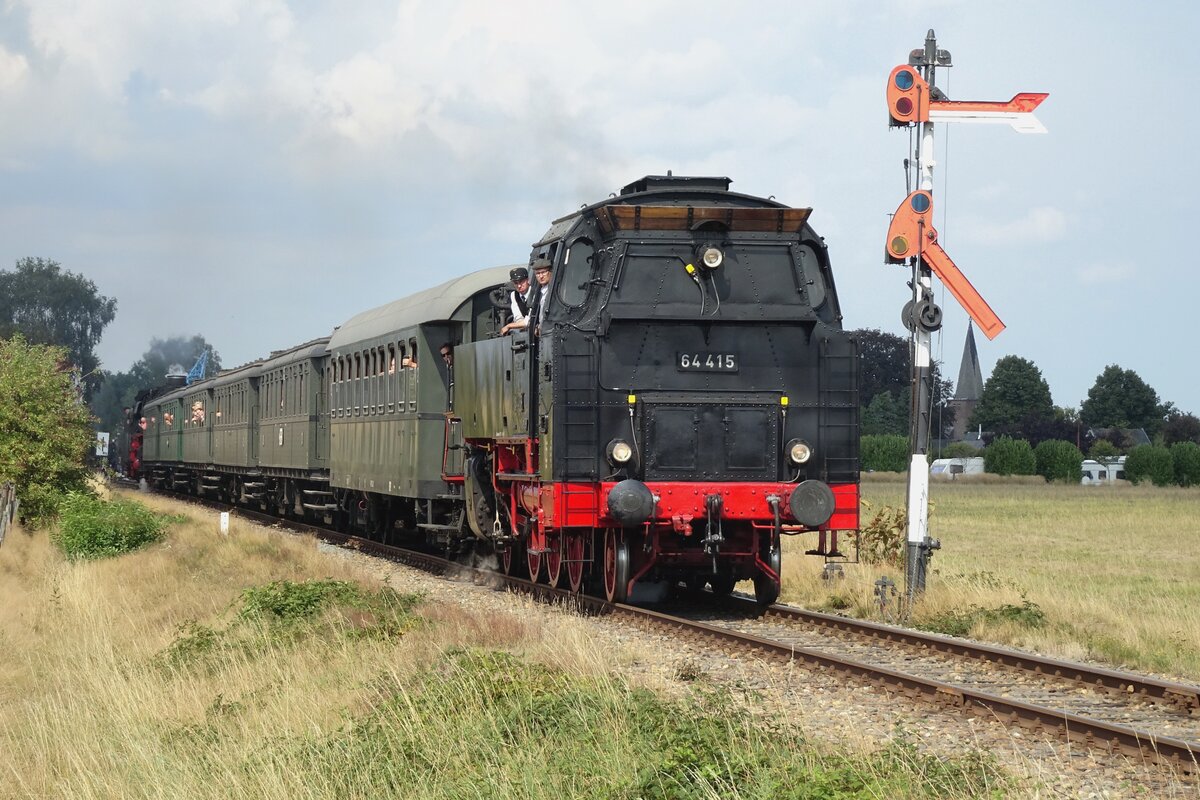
x,y
1143,718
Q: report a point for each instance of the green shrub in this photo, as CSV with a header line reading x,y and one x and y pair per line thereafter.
x,y
1187,463
93,528
1059,461
288,601
884,453
884,539
1008,456
44,430
1149,463
959,450
1104,451
380,613
960,622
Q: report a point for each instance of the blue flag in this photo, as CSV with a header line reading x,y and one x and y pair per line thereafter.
x,y
197,372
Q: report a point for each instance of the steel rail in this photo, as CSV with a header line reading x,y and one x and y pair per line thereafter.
x,y
1179,695
1095,733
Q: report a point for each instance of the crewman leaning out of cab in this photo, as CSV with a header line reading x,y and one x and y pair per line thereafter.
x,y
537,310
519,298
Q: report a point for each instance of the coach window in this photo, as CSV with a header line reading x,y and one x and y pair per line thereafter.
x,y
380,379
401,374
376,381
413,375
373,402
357,382
576,271
343,387
390,380
335,387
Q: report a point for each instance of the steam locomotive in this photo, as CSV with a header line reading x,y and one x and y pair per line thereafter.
x,y
683,397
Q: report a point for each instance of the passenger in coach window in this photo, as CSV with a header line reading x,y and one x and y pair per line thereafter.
x,y
519,298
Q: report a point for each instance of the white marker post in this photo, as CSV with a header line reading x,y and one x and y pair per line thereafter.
x,y
225,523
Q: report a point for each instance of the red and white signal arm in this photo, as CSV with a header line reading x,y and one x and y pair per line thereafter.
x,y
910,100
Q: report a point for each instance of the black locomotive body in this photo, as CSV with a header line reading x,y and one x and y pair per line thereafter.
x,y
683,397
687,398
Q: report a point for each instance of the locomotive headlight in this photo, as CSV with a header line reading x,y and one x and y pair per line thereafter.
x,y
711,257
619,452
798,451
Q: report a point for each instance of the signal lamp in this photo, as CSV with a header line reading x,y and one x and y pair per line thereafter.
x,y
899,245
798,451
907,96
712,257
619,452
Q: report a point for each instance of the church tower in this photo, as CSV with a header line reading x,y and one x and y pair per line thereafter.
x,y
969,388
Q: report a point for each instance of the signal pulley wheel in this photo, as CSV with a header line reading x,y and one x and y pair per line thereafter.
x,y
929,315
616,566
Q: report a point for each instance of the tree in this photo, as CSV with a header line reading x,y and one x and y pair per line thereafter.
x,y
885,366
887,414
1181,427
148,372
1015,397
1121,399
48,305
45,430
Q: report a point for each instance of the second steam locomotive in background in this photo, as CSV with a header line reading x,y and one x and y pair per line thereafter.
x,y
683,396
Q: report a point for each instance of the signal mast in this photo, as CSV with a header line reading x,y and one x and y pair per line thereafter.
x,y
914,99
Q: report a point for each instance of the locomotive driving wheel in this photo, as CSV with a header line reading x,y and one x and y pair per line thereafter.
x,y
616,566
510,558
766,588
573,546
535,545
554,557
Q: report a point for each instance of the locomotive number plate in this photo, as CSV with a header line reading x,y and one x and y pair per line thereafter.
x,y
706,362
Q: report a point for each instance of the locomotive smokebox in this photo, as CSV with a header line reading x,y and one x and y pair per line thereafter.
x,y
630,503
811,503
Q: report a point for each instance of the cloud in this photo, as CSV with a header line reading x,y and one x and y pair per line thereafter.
x,y
1101,273
13,68
1041,225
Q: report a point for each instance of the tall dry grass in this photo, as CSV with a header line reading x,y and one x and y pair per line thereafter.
x,y
1113,570
144,676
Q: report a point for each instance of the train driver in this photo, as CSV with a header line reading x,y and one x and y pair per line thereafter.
x,y
518,300
541,273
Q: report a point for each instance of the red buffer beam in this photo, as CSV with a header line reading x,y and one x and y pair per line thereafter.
x,y
912,234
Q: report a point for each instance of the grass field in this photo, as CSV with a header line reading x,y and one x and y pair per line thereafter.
x,y
1104,573
253,666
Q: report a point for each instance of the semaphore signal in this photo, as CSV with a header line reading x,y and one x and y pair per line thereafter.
x,y
914,99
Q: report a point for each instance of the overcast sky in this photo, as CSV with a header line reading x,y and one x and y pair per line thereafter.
x,y
258,171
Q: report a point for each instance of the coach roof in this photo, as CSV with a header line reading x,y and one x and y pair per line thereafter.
x,y
436,304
